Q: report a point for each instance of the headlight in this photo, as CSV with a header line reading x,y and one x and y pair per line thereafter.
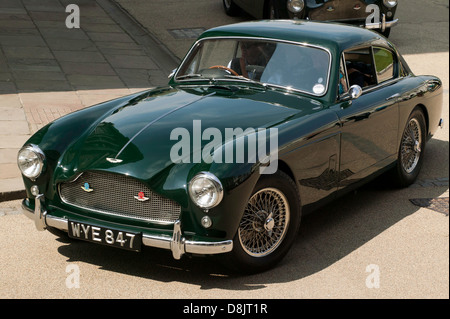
x,y
390,3
31,161
205,190
295,6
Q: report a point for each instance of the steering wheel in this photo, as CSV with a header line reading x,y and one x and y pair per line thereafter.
x,y
224,68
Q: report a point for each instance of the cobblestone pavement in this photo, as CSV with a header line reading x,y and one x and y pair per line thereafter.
x,y
48,70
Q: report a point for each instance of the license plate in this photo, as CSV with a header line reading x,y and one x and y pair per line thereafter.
x,y
106,236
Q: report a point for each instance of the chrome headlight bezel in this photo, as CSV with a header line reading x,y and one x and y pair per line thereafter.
x,y
212,183
295,6
390,3
31,153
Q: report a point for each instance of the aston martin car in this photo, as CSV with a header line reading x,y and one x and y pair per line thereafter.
x,y
261,123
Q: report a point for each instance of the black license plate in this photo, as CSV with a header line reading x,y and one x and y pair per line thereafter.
x,y
106,236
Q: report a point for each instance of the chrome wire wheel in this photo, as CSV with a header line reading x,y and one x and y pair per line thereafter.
x,y
264,223
410,151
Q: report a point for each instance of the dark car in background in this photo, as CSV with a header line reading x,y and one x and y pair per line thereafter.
x,y
371,14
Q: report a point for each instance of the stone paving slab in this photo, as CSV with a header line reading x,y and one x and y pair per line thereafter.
x,y
48,70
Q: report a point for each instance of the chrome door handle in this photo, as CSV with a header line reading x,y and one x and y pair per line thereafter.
x,y
396,95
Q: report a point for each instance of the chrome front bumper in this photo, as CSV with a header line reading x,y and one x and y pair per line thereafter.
x,y
176,243
383,24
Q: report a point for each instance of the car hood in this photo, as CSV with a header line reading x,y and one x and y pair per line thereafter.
x,y
137,138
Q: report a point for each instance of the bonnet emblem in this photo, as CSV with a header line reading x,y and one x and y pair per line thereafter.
x,y
141,197
86,187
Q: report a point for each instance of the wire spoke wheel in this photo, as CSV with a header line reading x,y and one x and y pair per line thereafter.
x,y
264,223
411,146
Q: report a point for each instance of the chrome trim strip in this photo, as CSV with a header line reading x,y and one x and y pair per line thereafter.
x,y
261,39
177,243
208,248
160,241
56,222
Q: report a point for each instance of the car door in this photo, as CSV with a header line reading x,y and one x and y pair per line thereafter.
x,y
369,122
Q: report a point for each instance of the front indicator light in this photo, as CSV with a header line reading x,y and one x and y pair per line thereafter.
x,y
206,222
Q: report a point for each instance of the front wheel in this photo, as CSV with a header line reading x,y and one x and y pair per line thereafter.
x,y
268,226
411,152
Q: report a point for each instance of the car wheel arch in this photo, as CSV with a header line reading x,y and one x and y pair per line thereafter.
x,y
424,110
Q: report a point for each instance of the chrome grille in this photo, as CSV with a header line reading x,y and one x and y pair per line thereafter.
x,y
115,194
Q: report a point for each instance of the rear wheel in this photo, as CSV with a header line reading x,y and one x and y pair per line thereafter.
x,y
268,226
411,152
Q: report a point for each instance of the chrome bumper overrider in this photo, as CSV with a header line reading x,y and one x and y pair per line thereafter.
x,y
176,243
383,24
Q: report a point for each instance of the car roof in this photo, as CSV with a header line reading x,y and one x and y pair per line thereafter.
x,y
329,35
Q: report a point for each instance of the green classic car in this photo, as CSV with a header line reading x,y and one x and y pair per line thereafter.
x,y
261,123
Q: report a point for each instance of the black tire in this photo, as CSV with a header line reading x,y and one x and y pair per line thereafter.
x,y
266,234
231,8
411,150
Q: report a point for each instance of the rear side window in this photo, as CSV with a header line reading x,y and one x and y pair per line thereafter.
x,y
384,64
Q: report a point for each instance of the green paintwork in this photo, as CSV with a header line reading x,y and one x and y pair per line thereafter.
x,y
326,145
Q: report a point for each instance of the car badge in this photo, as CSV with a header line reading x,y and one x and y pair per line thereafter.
x,y
86,187
141,197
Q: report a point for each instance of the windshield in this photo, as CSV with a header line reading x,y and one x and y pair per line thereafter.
x,y
295,66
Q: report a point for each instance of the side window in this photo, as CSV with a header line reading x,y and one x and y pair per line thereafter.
x,y
359,66
384,64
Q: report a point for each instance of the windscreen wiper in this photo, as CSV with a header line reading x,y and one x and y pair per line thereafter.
x,y
240,77
189,76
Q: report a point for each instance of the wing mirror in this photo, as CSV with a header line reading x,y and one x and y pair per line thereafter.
x,y
355,91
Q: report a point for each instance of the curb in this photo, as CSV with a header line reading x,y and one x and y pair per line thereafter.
x,y
12,195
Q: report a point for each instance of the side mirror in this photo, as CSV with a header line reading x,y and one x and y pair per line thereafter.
x,y
355,91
